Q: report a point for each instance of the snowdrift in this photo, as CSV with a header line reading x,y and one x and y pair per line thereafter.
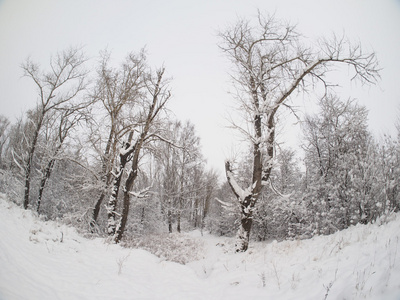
x,y
48,260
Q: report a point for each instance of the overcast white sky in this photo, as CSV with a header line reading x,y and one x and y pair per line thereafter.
x,y
182,35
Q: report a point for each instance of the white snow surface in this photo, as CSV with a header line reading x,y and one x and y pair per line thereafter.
x,y
48,260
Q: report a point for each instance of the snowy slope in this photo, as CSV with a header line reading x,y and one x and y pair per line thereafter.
x,y
46,260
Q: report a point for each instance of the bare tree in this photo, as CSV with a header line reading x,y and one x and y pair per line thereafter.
x,y
118,91
272,65
57,87
157,95
67,119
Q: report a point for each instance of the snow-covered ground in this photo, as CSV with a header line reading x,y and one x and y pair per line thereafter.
x,y
47,260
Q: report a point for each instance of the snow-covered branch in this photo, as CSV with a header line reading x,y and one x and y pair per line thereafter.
x,y
141,194
240,193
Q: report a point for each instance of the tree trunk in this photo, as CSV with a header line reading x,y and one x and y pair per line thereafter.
x,y
196,212
29,163
261,174
112,203
153,111
27,183
142,219
169,221
105,178
178,220
243,235
206,207
43,181
128,185
125,210
99,201
96,211
47,173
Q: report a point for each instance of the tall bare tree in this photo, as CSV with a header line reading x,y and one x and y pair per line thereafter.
x,y
272,64
57,87
156,96
118,90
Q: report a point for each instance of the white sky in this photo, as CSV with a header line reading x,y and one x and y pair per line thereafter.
x,y
182,35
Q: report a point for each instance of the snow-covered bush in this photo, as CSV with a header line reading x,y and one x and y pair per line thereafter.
x,y
176,247
11,186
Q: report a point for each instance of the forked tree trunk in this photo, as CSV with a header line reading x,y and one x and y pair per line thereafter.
x,y
153,111
125,152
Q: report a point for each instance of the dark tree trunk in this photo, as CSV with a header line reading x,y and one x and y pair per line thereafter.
x,y
178,222
112,203
27,184
47,172
29,163
106,180
243,237
43,181
125,209
195,212
142,217
178,216
169,221
96,211
153,111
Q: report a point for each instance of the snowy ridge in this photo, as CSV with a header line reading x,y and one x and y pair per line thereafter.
x,y
47,260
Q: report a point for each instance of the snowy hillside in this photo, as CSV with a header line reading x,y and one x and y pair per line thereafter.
x,y
46,260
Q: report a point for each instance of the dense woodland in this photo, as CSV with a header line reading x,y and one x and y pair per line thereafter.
x,y
101,150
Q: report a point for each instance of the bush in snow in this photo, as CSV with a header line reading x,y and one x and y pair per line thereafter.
x,y
175,247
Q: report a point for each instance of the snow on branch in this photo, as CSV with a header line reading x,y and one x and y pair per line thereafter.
x,y
240,193
169,142
141,194
274,189
15,160
224,204
127,149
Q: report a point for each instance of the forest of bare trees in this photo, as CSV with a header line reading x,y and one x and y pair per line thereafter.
x,y
101,150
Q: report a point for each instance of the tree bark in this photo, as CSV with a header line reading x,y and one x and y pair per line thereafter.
x,y
178,221
169,216
154,109
125,209
125,152
106,180
243,235
43,181
30,161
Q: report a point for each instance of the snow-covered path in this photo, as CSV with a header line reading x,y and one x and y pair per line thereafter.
x,y
46,260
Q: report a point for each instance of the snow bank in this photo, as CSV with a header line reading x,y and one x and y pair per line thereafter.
x,y
46,260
